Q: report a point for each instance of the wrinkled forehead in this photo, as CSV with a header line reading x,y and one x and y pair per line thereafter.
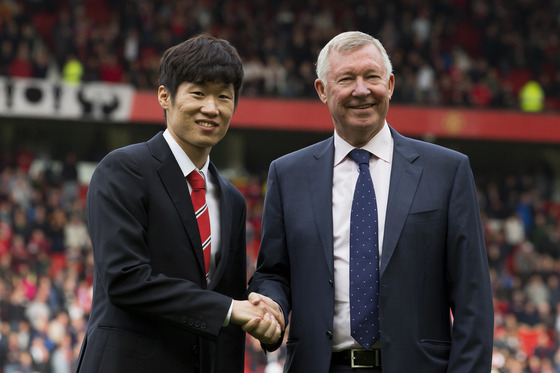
x,y
361,58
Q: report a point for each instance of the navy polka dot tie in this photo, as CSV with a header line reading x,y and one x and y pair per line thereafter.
x,y
364,256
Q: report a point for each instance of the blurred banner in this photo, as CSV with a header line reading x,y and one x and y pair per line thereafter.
x,y
88,101
122,103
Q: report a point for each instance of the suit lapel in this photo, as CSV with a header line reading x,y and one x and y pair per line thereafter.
x,y
176,186
225,227
319,178
405,176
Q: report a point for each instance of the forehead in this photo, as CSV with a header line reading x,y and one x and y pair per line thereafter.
x,y
366,57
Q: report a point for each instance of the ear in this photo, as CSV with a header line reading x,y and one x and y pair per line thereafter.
x,y
320,88
391,85
164,98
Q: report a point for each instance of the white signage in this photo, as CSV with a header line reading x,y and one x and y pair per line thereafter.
x,y
21,97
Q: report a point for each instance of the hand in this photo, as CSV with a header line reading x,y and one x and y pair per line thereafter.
x,y
271,306
260,316
269,329
243,312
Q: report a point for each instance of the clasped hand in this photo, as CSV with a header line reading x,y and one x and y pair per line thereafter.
x,y
259,316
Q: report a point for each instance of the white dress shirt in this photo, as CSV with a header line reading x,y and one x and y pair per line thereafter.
x,y
345,175
212,198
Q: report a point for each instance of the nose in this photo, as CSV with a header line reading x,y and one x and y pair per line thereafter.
x,y
210,106
360,88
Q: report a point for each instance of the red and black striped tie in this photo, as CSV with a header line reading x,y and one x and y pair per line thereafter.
x,y
198,197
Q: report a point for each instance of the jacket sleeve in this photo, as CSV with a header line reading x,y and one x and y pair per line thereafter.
x,y
272,275
120,226
468,279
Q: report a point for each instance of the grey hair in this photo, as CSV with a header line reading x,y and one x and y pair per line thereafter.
x,y
348,41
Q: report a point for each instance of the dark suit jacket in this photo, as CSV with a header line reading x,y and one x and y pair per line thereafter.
x,y
151,310
433,260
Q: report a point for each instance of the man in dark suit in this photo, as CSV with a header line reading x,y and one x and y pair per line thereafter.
x,y
161,301
430,306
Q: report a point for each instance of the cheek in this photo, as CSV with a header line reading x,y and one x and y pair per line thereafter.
x,y
226,109
382,93
335,100
226,117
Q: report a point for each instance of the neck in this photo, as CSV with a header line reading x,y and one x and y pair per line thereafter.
x,y
198,160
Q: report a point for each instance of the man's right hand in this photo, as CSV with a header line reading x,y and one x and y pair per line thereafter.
x,y
259,316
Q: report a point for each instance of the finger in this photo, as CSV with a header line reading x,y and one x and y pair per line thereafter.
x,y
272,334
262,327
279,316
274,309
269,333
251,325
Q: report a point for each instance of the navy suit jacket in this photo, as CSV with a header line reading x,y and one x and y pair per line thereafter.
x,y
433,261
152,311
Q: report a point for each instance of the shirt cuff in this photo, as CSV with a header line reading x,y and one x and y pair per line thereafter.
x,y
226,321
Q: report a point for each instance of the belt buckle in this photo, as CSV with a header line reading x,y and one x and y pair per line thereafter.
x,y
373,364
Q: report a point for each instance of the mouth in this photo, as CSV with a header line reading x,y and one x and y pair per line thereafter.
x,y
363,106
206,124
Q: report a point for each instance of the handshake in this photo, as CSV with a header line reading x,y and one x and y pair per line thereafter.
x,y
259,316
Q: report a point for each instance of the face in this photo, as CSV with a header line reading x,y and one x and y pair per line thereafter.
x,y
357,92
199,116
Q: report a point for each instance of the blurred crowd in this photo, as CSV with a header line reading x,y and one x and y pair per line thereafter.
x,y
46,265
522,232
483,54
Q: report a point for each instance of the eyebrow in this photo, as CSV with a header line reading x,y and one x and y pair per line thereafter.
x,y
207,82
366,71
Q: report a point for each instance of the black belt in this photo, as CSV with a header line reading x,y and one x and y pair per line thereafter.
x,y
358,358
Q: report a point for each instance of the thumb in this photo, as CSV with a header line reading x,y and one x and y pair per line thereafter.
x,y
254,298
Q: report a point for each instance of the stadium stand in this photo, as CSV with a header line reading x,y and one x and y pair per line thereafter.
x,y
475,54
445,52
46,265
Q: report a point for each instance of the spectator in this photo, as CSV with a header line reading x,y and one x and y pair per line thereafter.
x,y
41,65
6,56
72,71
20,66
531,97
476,40
110,70
66,288
455,63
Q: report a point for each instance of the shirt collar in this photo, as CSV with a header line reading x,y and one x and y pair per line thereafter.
x,y
380,145
187,166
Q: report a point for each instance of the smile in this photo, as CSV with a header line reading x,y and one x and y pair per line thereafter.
x,y
206,124
362,106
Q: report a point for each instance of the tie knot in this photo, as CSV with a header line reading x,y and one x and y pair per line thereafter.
x,y
360,156
196,180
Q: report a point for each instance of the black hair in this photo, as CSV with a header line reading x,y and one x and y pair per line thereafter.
x,y
201,59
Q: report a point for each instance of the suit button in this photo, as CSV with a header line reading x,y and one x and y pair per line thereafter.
x,y
190,322
195,349
184,320
203,325
329,334
197,324
331,282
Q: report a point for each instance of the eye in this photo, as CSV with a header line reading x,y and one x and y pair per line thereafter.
x,y
374,77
